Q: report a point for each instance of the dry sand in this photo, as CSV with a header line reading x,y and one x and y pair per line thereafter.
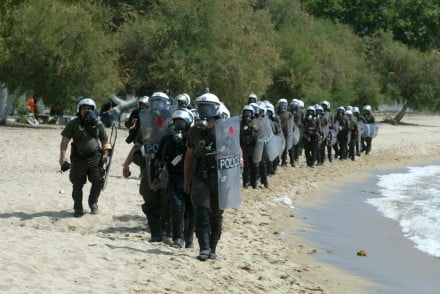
x,y
44,249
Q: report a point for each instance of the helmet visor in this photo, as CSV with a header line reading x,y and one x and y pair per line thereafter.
x,y
206,110
159,103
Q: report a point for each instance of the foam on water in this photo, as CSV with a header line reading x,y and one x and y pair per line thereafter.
x,y
413,199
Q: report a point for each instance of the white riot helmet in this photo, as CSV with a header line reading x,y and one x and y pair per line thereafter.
x,y
319,109
270,110
300,103
263,108
349,107
86,101
325,104
207,105
223,111
252,98
159,101
143,100
355,109
282,104
340,109
366,108
182,119
183,100
310,110
294,104
256,108
349,113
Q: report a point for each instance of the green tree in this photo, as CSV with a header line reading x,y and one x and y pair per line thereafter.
x,y
413,22
191,44
408,75
57,51
320,60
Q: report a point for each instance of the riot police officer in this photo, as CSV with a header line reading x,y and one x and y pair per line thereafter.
x,y
354,134
276,128
369,118
200,176
90,150
286,119
359,118
155,200
322,142
311,131
331,125
172,150
343,131
248,139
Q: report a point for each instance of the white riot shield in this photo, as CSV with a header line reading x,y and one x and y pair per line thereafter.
x,y
154,126
264,135
273,147
227,135
289,137
296,135
368,130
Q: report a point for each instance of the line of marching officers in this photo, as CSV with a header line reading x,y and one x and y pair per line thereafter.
x,y
175,148
314,130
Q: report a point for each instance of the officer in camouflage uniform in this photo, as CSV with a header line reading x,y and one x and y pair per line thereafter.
x,y
155,200
90,150
354,134
331,123
359,118
285,116
369,119
200,176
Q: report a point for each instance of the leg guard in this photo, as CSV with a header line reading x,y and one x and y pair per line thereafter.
x,y
202,232
216,231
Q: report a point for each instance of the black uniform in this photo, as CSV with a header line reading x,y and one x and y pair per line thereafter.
x,y
341,147
248,139
204,190
311,132
172,153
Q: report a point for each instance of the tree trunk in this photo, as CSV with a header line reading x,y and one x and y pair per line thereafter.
x,y
402,112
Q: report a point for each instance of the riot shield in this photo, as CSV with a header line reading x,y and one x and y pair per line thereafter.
x,y
273,147
368,130
296,134
228,161
289,137
264,135
154,124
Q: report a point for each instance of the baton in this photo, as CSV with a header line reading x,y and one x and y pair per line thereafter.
x,y
113,137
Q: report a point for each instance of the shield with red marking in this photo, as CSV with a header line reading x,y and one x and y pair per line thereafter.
x,y
228,161
154,125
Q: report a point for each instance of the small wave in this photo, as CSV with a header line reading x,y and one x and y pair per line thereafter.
x,y
413,199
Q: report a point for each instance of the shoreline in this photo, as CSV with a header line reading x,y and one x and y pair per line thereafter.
x,y
345,223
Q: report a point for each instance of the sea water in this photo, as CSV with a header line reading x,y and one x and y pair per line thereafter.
x,y
413,199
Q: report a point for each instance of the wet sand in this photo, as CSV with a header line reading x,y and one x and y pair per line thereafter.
x,y
345,224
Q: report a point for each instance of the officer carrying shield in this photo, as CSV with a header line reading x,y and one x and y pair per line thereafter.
x,y
153,127
201,174
90,150
248,139
369,118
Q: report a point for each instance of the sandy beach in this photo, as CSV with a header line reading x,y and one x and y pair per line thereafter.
x,y
44,249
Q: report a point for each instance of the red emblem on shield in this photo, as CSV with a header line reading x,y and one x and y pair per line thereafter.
x,y
231,131
159,121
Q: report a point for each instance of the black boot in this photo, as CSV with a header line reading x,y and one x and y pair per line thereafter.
x,y
153,218
216,231
202,232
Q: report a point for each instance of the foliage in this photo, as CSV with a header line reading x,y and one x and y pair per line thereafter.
x,y
321,60
189,45
413,22
408,75
58,51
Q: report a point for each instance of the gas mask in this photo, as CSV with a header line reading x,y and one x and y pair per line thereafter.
x,y
159,103
91,118
180,126
247,116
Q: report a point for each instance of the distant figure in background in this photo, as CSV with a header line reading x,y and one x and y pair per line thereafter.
x,y
106,113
